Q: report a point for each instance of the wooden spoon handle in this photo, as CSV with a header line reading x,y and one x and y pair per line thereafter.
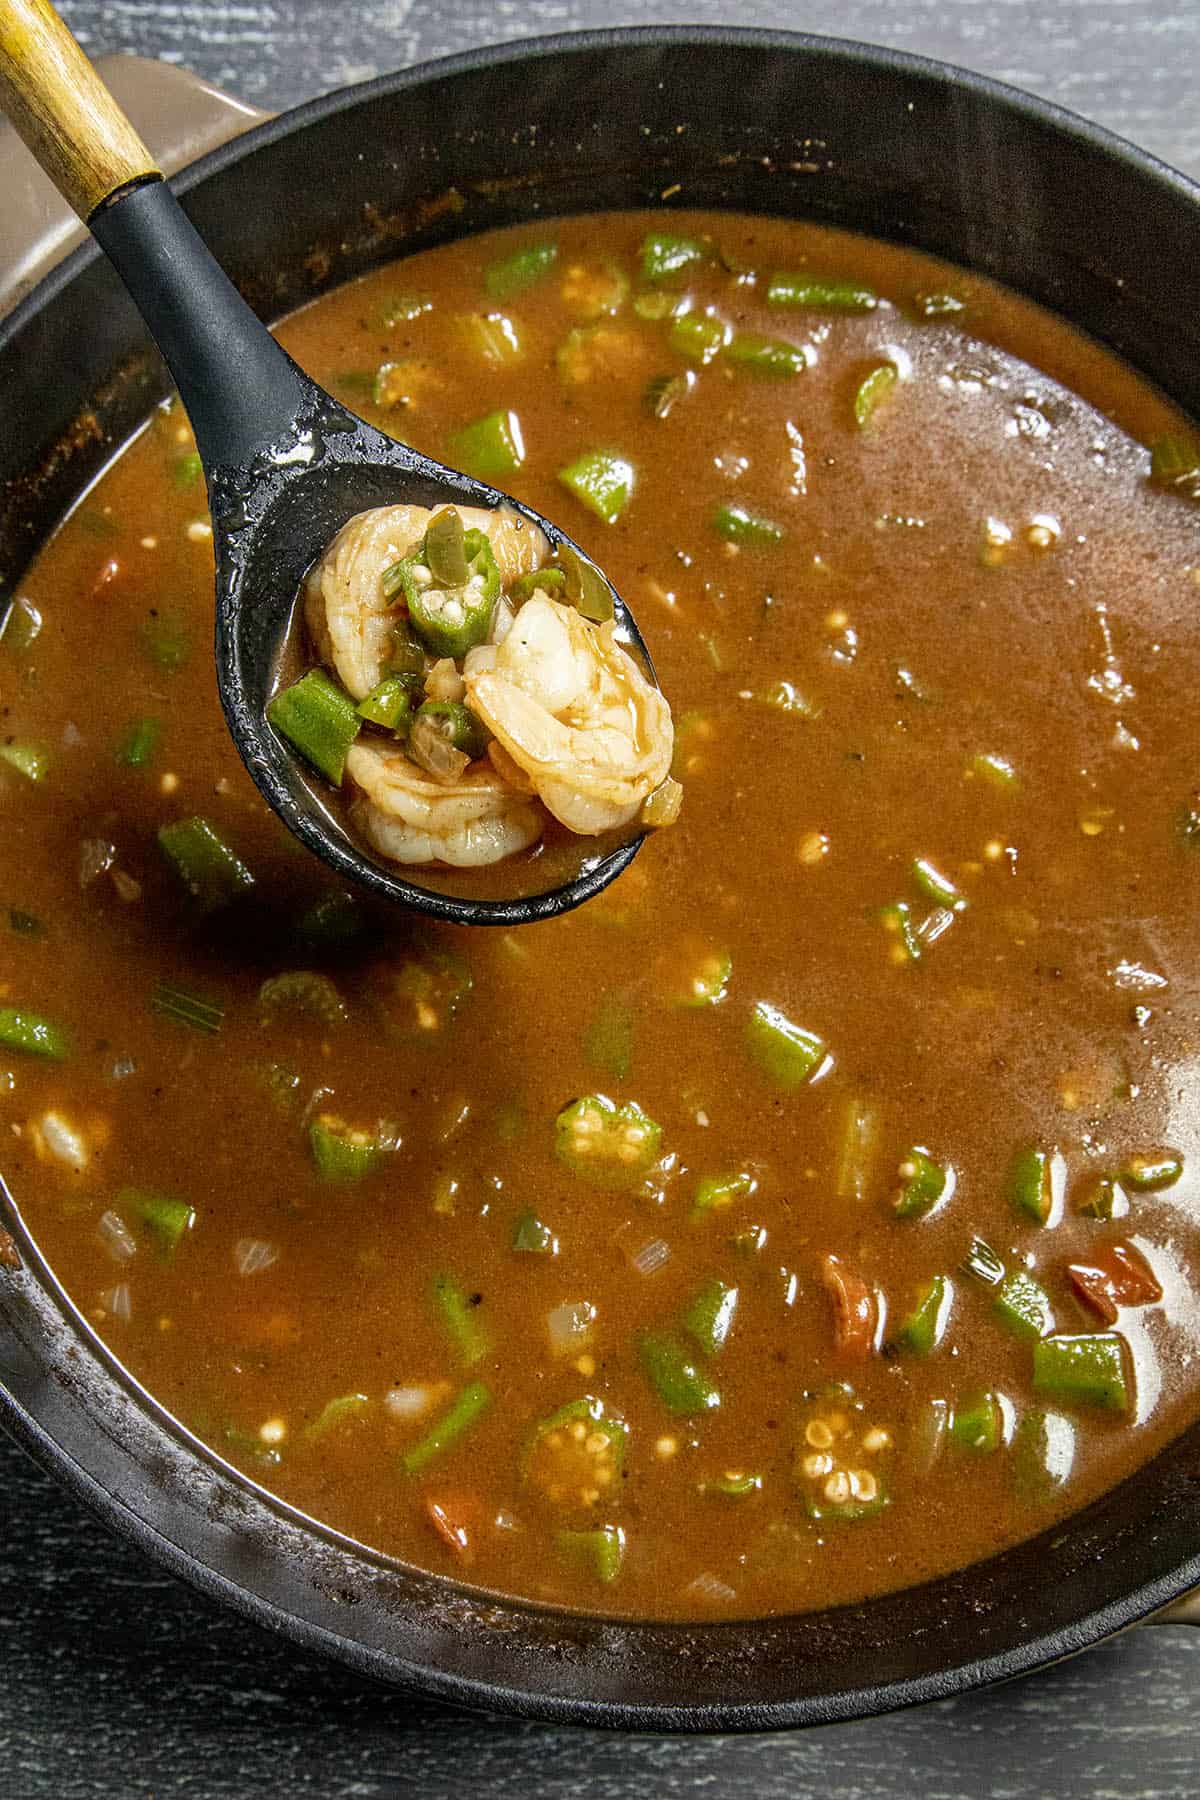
x,y
63,110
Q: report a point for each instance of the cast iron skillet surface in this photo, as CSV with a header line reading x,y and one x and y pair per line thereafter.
x,y
864,138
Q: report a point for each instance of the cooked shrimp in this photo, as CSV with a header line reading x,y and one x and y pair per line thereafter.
x,y
410,819
574,711
349,617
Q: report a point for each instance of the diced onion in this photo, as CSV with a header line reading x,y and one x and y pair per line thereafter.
x,y
409,1402
64,1141
116,1237
710,1590
118,1303
96,856
252,1255
650,1256
569,1326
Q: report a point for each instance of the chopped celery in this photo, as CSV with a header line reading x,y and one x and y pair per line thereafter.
x,y
857,1147
608,1041
710,1315
469,1405
489,447
19,626
737,525
733,1485
390,704
679,1383
664,256
896,919
1175,466
187,1008
982,1262
30,760
922,1330
339,1151
819,293
765,355
601,1550
1035,1183
340,1411
937,886
606,1143
602,481
532,1235
1024,1305
208,867
995,769
787,1054
1150,1171
169,1219
924,1184
698,336
319,719
511,275
978,1424
459,1314
717,1193
1089,1370
492,337
304,992
140,742
871,393
32,1034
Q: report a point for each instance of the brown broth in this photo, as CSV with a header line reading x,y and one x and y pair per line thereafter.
x,y
1057,1008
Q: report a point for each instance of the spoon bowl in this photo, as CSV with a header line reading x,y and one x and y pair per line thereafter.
x,y
285,463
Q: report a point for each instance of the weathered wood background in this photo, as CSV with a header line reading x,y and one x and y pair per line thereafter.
x,y
116,1681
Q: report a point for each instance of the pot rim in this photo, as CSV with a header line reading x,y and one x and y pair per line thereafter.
x,y
71,1465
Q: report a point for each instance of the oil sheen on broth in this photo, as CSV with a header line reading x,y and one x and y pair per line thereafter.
x,y
815,1210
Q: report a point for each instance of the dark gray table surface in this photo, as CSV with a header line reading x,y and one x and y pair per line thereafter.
x,y
117,1681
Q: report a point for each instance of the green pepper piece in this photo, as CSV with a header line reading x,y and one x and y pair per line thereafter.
x,y
1035,1183
679,1383
531,1235
606,1143
1150,1171
459,1314
601,1550
786,1053
871,393
994,769
585,587
602,481
664,256
710,1315
489,447
1175,466
167,640
924,1184
982,1262
140,742
169,1219
819,294
937,886
608,1041
716,1193
1024,1306
339,1411
445,550
1088,1370
698,336
1104,1199
318,718
209,868
187,1008
457,724
896,919
733,1485
340,1152
467,1408
30,760
767,356
737,525
389,705
451,621
511,275
33,1035
923,1329
978,1424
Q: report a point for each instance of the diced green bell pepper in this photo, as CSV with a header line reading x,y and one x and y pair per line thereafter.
x,y
1104,1198
939,888
30,760
511,275
921,1331
1024,1306
978,1423
1088,1370
786,1053
602,481
1043,1455
140,742
710,1315
601,1551
33,1035
491,447
1035,1183
169,1219
341,1410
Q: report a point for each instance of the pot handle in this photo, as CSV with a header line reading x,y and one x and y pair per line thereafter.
x,y
179,117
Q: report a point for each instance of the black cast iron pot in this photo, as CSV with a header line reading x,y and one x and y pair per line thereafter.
x,y
858,137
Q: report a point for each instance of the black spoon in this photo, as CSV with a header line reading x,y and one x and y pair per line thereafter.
x,y
286,464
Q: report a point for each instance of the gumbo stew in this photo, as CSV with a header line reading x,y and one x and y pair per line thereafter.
x,y
816,1209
